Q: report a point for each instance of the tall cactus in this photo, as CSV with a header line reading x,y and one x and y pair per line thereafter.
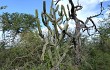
x,y
54,38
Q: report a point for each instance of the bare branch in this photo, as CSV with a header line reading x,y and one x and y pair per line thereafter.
x,y
57,2
77,8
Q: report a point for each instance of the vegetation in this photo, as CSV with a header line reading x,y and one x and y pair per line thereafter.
x,y
64,50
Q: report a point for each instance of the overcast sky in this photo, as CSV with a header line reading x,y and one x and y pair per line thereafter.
x,y
90,7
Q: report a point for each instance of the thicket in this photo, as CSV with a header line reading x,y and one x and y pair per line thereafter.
x,y
55,50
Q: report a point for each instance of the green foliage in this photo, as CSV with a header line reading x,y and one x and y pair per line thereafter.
x,y
96,60
2,7
18,22
54,51
25,55
98,54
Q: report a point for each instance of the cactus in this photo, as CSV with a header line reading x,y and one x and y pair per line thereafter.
x,y
38,24
54,38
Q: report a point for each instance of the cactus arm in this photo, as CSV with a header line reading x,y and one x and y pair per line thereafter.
x,y
38,24
63,9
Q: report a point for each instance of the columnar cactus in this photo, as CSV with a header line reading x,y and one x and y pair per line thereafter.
x,y
55,39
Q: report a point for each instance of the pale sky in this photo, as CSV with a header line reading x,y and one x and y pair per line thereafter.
x,y
90,8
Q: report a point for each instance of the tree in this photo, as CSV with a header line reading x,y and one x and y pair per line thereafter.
x,y
16,23
105,33
98,52
3,7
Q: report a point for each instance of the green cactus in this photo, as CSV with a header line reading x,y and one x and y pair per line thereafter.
x,y
38,24
54,38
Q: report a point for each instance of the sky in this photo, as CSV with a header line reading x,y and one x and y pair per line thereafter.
x,y
90,7
23,6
